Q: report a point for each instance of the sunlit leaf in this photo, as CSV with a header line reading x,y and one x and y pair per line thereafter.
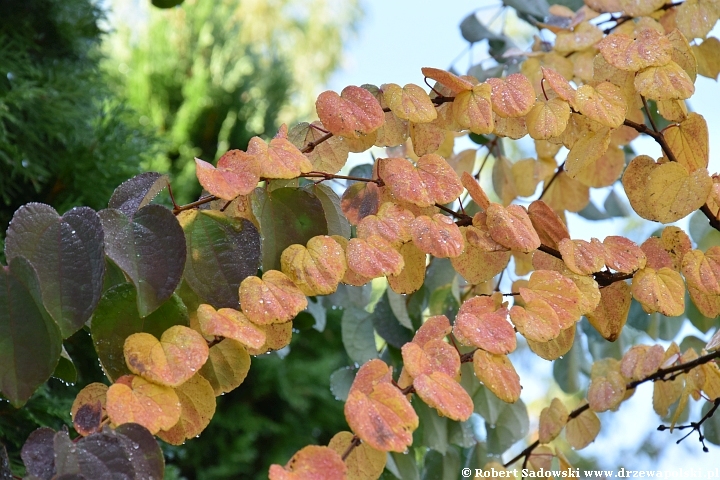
x,y
702,274
649,49
555,348
672,193
552,420
316,269
559,84
450,80
329,156
583,36
472,109
582,257
440,391
603,103
197,407
227,366
582,430
548,118
512,96
364,462
432,180
611,314
170,361
392,222
88,408
373,257
272,299
352,113
660,290
475,190
605,170
135,400
482,322
607,385
237,173
409,102
512,227
277,336
437,235
695,18
310,463
497,373
547,224
689,141
664,83
708,57
641,361
412,276
229,323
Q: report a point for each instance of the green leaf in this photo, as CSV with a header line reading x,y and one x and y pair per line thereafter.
x,y
700,321
287,216
614,206
512,425
487,404
479,139
440,272
67,254
702,233
317,310
117,317
433,428
150,249
363,171
591,212
461,434
441,466
5,471
482,74
711,426
113,275
573,5
388,326
137,192
65,369
341,381
443,302
399,308
337,223
221,252
358,335
566,369
347,296
30,341
691,341
473,30
404,465
530,10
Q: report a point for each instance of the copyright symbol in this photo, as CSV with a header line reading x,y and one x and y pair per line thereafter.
x,y
466,472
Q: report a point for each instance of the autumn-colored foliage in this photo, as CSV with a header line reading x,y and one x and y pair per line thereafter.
x,y
428,230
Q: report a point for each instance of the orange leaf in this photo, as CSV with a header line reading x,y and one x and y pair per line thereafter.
x,y
170,361
497,373
482,322
409,102
377,411
582,430
635,180
547,224
512,227
237,173
392,222
274,299
450,80
477,265
277,336
364,462
641,361
373,257
360,200
227,366
604,103
659,291
650,49
430,181
229,323
89,408
582,257
548,118
611,314
552,420
623,255
607,385
135,400
512,96
690,142
311,463
426,138
584,35
316,269
664,83
695,18
475,190
559,84
472,109
352,113
478,235
437,235
412,276
197,407
446,395
280,158
436,327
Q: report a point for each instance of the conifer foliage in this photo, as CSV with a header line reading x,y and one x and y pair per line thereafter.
x,y
203,287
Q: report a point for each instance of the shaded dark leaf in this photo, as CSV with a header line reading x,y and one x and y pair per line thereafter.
x,y
529,9
362,171
68,255
387,325
473,30
65,369
5,472
87,419
148,459
38,453
137,192
149,248
341,381
358,335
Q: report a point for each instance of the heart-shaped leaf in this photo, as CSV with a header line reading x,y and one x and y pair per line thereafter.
x,y
133,399
170,361
197,407
230,323
482,322
137,192
227,366
237,173
272,299
68,255
409,102
313,461
316,269
352,113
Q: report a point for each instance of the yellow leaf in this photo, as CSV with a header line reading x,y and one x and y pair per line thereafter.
x,y
392,222
667,82
605,170
409,102
607,385
659,291
566,193
583,36
316,269
649,49
582,430
640,8
280,158
197,407
170,361
512,96
412,276
635,180
552,420
364,462
277,336
708,57
352,113
672,194
548,119
682,53
604,103
329,156
511,127
586,152
667,393
464,162
695,18
133,399
272,299
512,227
497,373
477,265
472,109
555,348
227,366
690,142
702,274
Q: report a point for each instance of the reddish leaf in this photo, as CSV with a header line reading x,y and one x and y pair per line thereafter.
x,y
446,395
229,323
392,222
623,255
274,299
611,314
316,269
280,158
430,181
552,420
549,227
311,463
512,227
607,385
438,236
512,96
373,257
641,361
582,257
135,400
482,322
450,80
352,113
702,274
475,190
237,173
360,200
88,408
434,328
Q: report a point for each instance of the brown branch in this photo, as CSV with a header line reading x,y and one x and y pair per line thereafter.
x,y
197,203
355,442
332,176
560,169
659,375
